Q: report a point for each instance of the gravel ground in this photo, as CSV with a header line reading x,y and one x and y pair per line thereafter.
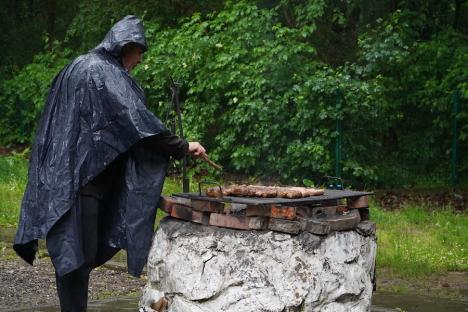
x,y
22,285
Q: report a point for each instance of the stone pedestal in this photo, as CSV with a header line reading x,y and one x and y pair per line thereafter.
x,y
209,269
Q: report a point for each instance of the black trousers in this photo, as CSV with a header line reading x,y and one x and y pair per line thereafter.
x,y
72,288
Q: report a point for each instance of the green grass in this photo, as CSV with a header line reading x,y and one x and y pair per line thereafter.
x,y
13,177
417,241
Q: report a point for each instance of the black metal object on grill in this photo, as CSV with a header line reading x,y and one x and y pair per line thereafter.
x,y
175,101
327,196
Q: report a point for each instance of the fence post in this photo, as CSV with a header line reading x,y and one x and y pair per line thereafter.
x,y
453,167
339,99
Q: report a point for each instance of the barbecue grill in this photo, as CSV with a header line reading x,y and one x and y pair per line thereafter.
x,y
329,195
335,210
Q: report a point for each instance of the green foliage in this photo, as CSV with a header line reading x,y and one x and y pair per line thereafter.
x,y
22,97
95,17
264,83
28,27
256,95
417,79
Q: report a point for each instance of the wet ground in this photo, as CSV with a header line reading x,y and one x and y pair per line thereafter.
x,y
386,302
26,287
383,302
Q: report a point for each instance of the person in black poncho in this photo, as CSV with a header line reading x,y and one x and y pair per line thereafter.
x,y
97,166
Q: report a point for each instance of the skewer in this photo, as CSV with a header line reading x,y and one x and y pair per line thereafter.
x,y
211,163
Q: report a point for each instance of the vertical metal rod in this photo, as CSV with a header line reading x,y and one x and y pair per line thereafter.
x,y
453,171
185,180
176,102
338,135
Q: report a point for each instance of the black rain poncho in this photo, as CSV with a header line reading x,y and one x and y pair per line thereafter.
x,y
95,113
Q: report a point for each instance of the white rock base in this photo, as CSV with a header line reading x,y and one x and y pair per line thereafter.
x,y
209,269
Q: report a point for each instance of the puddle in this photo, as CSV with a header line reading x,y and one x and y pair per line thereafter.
x,y
119,304
392,302
382,302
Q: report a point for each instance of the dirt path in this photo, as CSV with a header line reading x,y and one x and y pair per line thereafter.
x,y
23,285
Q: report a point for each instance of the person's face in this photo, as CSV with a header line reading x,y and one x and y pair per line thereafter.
x,y
132,57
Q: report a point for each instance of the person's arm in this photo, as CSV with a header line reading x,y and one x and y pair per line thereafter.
x,y
172,145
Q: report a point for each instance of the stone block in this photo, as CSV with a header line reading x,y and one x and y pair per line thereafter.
x,y
238,222
315,226
207,206
283,212
344,222
234,207
258,210
285,226
166,202
323,212
201,217
274,211
366,228
258,223
181,212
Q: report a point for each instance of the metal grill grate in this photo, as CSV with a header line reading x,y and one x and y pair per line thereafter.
x,y
327,196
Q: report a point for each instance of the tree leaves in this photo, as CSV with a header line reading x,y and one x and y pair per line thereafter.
x,y
264,84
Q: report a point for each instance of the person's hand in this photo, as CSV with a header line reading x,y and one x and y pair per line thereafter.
x,y
196,149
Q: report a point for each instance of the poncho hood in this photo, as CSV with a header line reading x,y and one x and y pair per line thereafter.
x,y
128,30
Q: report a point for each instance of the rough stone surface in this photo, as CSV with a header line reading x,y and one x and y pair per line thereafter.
x,y
209,269
366,228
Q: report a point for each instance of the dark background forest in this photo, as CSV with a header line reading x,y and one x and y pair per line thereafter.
x,y
270,86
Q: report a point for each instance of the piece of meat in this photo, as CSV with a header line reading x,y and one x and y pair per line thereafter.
x,y
307,191
264,191
287,192
214,192
236,190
